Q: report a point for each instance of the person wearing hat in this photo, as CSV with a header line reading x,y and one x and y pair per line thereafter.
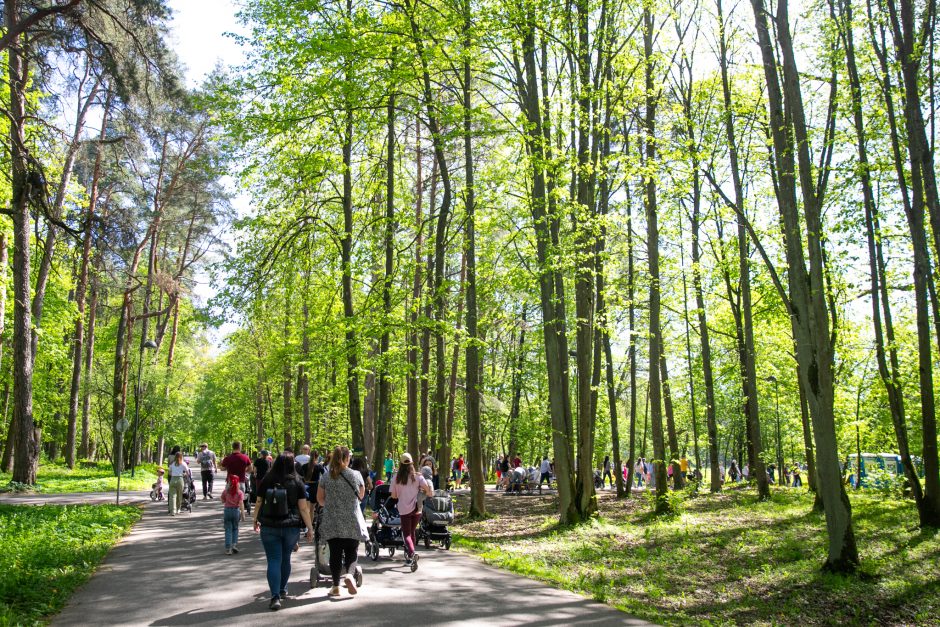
x,y
207,464
407,485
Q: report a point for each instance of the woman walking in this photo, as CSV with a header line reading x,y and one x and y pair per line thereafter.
x,y
281,510
405,488
178,470
339,494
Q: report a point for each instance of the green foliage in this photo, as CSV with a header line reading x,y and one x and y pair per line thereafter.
x,y
48,551
728,559
56,478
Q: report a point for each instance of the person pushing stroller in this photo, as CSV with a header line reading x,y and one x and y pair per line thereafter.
x,y
405,487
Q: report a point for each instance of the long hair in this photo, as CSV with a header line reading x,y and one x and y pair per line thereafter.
x,y
283,466
233,484
406,473
179,458
339,460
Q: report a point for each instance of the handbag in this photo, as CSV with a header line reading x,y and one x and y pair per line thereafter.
x,y
363,531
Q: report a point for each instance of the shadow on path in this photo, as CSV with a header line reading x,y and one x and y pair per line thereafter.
x,y
174,571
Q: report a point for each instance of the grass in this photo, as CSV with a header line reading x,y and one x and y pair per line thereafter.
x,y
47,551
54,478
723,560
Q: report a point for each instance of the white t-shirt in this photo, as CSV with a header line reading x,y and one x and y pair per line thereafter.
x,y
178,470
302,459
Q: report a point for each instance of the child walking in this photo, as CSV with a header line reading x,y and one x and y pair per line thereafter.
x,y
233,501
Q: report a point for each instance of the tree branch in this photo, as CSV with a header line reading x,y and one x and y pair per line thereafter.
x,y
28,22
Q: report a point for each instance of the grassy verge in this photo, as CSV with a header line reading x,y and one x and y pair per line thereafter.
x,y
726,559
58,478
47,551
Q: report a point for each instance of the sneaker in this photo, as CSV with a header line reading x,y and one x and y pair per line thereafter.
x,y
228,551
234,548
275,604
334,591
283,594
350,584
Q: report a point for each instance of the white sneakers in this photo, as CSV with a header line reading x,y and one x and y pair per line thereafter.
x,y
350,584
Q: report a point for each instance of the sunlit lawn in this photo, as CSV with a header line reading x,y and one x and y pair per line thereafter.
x,y
724,559
57,478
47,551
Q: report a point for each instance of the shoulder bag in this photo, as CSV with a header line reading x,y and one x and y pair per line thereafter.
x,y
363,531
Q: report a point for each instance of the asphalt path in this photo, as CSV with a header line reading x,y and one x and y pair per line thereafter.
x,y
174,571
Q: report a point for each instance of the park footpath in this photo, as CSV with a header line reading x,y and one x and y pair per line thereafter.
x,y
174,571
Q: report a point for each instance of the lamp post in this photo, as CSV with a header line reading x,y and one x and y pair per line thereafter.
x,y
140,366
780,473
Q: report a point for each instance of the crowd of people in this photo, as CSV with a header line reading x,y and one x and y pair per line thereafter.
x,y
285,492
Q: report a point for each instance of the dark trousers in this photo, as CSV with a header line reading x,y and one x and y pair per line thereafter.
x,y
409,522
343,554
207,477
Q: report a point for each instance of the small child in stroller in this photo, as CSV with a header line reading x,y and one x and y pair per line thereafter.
x,y
156,491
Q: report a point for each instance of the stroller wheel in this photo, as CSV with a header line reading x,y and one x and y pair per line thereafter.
x,y
447,544
374,554
391,551
427,542
314,577
358,575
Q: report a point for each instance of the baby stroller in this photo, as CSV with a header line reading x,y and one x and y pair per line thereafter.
x,y
532,479
189,492
438,513
385,532
321,556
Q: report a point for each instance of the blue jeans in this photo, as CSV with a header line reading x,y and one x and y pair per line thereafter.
x,y
231,518
278,545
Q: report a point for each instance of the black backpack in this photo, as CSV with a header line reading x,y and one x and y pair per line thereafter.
x,y
276,510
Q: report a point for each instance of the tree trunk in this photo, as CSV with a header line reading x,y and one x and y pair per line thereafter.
x,y
287,378
881,306
26,447
413,420
82,282
652,246
474,383
352,347
86,446
809,313
584,284
10,443
677,480
925,199
303,376
631,311
518,363
385,410
551,285
427,426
